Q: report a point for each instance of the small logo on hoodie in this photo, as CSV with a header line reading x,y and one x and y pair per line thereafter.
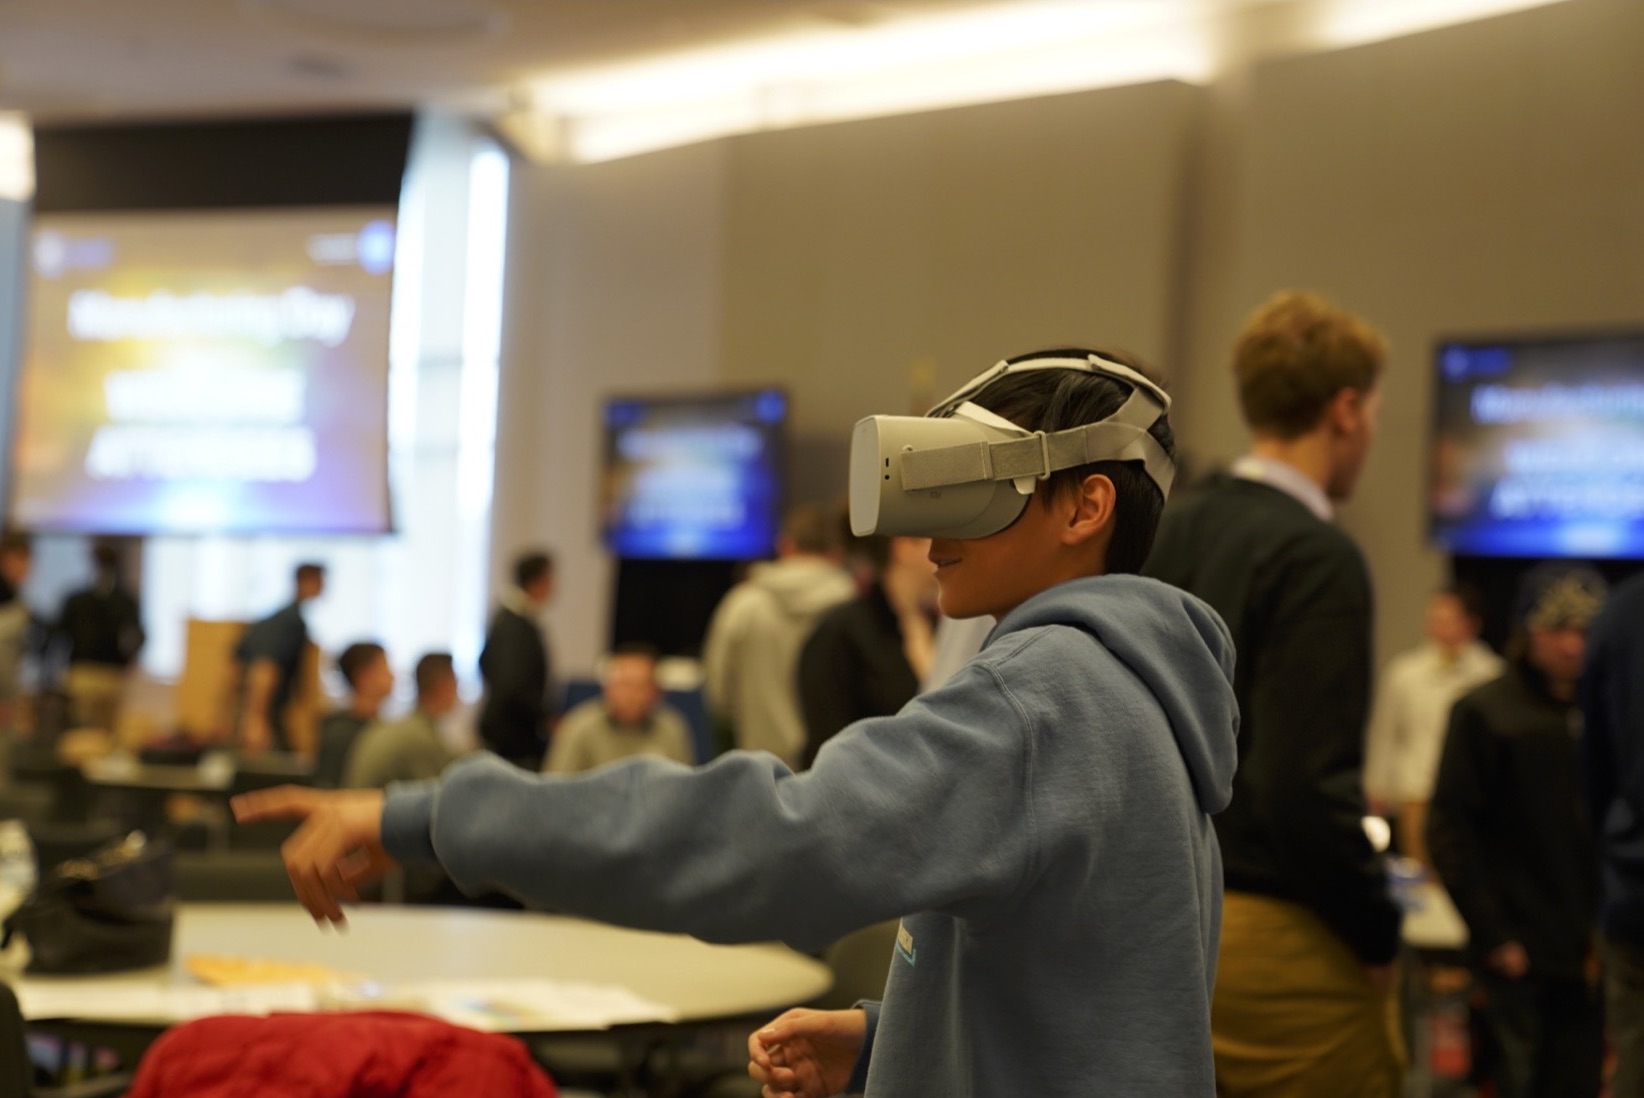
x,y
904,945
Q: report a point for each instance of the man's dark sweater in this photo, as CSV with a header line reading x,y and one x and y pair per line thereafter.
x,y
1507,829
1294,591
1613,700
515,666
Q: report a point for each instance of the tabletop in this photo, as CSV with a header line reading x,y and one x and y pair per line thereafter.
x,y
666,978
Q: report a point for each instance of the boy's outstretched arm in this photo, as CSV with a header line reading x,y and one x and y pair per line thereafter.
x,y
923,811
337,849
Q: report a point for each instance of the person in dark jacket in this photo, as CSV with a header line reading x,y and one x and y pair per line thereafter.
x,y
516,667
866,657
270,655
101,628
1309,931
1509,836
1612,702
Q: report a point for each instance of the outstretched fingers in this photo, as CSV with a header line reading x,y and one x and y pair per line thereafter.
x,y
284,802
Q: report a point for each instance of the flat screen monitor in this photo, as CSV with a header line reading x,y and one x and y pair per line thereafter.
x,y
1538,447
210,372
694,477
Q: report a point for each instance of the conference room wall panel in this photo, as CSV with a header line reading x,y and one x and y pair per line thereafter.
x,y
874,266
615,277
1480,179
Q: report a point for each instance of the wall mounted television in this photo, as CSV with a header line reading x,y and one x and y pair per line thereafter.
x,y
694,477
206,372
1537,446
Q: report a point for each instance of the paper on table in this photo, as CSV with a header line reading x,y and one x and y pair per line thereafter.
x,y
109,1001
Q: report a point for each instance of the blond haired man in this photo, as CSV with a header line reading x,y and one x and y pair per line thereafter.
x,y
1308,933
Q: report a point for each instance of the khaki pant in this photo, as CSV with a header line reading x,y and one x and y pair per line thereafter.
x,y
1294,1015
95,691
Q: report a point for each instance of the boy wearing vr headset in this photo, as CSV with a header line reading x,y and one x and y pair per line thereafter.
x,y
1041,824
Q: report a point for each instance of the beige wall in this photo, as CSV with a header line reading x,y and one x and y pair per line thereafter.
x,y
1486,177
614,287
1482,179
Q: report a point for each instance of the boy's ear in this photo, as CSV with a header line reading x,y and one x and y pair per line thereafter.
x,y
1090,512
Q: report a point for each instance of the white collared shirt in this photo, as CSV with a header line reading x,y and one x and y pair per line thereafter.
x,y
1411,715
1287,479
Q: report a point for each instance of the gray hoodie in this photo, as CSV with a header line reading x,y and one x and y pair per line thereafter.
x,y
1041,824
751,655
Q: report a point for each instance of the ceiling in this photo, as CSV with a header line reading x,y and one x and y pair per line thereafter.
x,y
584,80
87,60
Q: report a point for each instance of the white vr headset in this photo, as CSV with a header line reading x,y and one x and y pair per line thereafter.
x,y
961,471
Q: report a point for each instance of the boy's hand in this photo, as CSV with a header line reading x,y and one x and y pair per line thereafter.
x,y
807,1053
336,850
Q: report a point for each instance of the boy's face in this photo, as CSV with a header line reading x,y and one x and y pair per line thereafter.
x,y
996,574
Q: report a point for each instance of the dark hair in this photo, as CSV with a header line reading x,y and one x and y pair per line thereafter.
x,y
809,528
106,556
1056,400
875,549
356,658
1470,598
13,541
531,567
309,570
1295,353
432,670
642,649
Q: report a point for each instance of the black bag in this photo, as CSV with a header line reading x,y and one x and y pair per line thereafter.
x,y
109,911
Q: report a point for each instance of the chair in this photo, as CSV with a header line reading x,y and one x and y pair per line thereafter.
x,y
17,1069
232,876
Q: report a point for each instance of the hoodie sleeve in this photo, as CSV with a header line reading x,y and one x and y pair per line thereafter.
x,y
926,810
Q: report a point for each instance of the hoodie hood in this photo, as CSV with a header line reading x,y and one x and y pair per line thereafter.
x,y
1176,644
801,586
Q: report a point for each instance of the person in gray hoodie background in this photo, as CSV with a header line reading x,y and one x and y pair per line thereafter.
x,y
750,656
1040,823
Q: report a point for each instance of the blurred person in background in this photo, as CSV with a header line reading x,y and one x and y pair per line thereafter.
x,y
866,657
16,622
413,747
516,666
101,630
1412,711
627,719
364,667
1509,836
1303,1003
269,656
750,656
1612,702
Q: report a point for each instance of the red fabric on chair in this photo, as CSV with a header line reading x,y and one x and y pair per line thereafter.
x,y
338,1055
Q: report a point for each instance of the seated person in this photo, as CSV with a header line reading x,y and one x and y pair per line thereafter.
x,y
364,666
410,748
628,718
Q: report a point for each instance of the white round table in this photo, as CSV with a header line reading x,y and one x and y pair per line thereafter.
x,y
695,982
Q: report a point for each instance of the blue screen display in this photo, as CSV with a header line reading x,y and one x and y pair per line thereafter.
x,y
694,478
1538,448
